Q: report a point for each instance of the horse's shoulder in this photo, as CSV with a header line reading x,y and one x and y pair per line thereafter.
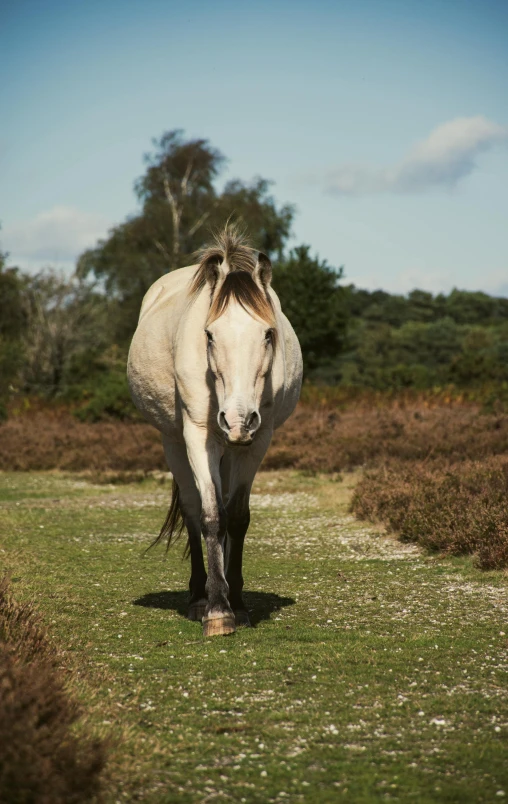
x,y
167,287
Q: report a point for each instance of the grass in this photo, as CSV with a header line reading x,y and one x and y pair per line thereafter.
x,y
374,672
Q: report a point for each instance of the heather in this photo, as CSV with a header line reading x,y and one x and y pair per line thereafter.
x,y
43,758
455,509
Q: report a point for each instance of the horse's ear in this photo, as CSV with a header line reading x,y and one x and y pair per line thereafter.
x,y
263,270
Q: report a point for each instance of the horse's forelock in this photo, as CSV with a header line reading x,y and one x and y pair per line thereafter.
x,y
229,247
241,287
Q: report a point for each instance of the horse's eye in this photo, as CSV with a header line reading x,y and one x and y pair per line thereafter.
x,y
209,336
269,335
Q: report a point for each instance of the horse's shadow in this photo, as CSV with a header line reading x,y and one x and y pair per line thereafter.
x,y
260,605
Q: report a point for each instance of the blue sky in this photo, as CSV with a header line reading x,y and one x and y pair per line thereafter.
x,y
386,123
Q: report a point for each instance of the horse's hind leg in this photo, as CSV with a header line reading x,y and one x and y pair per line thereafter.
x,y
190,504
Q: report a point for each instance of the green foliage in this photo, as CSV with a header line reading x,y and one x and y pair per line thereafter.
x,y
461,306
421,341
12,314
11,359
315,303
12,321
67,326
102,391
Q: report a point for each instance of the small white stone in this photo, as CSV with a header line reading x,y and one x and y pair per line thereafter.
x,y
263,773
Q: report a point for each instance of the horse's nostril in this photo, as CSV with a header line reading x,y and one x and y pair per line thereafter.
x,y
253,421
223,421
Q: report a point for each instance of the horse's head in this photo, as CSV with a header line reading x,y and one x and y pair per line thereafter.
x,y
240,338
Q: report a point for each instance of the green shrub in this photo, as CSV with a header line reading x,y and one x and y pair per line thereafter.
x,y
109,397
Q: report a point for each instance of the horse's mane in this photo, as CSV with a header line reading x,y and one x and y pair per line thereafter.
x,y
231,247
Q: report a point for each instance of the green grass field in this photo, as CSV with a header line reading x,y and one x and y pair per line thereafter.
x,y
373,672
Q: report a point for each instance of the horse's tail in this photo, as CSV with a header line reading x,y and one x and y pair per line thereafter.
x,y
174,524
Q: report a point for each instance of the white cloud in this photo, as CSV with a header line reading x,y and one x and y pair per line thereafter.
x,y
56,236
446,157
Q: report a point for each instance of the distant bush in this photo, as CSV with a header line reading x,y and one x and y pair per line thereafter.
x,y
98,387
42,759
455,509
422,355
110,398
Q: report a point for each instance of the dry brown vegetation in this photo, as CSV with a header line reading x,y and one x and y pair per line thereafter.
x,y
331,441
42,759
435,473
55,439
322,439
455,509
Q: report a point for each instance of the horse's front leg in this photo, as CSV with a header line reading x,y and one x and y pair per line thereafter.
x,y
238,523
204,457
243,465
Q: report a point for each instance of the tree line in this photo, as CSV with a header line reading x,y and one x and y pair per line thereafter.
x,y
67,337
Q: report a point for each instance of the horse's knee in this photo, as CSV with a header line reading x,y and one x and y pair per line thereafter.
x,y
214,523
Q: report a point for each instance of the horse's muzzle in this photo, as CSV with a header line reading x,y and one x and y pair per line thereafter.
x,y
239,431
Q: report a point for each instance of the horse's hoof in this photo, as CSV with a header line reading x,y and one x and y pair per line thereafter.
x,y
219,626
197,611
242,617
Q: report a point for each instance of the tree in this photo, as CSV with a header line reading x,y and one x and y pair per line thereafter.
x,y
12,321
316,305
66,327
179,178
179,206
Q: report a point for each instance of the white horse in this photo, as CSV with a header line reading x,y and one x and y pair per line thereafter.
x,y
216,366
